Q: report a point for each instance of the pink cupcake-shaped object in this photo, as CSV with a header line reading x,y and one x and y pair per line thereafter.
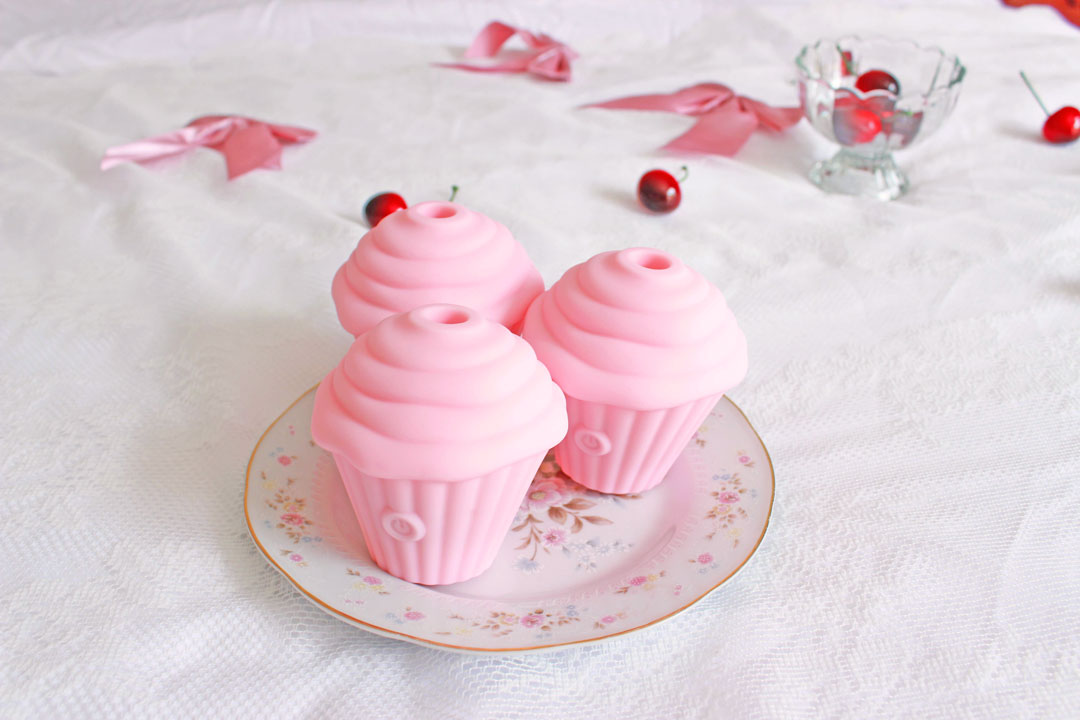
x,y
643,347
435,252
437,419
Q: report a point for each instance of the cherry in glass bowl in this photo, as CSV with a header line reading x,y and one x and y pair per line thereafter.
x,y
873,96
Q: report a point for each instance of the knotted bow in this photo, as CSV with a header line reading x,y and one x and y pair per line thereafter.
x,y
725,120
246,143
546,57
1069,9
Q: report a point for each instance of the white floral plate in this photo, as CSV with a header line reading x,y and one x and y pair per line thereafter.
x,y
577,566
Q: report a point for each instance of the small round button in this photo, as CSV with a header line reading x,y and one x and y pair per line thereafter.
x,y
406,527
592,442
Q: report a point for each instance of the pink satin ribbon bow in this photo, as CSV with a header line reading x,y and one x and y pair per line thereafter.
x,y
546,57
725,120
246,143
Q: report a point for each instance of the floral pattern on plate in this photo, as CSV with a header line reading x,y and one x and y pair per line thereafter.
x,y
553,514
292,521
725,513
576,567
499,623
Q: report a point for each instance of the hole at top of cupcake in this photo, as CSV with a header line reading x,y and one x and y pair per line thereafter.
x,y
652,260
437,210
446,314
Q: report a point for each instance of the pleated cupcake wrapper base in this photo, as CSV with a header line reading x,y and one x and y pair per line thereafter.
x,y
641,445
462,522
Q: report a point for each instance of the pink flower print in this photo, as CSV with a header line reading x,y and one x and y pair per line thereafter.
x,y
608,619
293,518
544,494
372,580
554,537
414,615
284,459
729,497
744,459
532,620
639,580
291,507
296,557
704,558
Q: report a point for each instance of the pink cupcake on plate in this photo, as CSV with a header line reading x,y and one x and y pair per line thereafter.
x,y
437,419
435,252
643,347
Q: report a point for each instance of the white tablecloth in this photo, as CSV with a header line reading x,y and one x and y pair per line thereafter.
x,y
914,365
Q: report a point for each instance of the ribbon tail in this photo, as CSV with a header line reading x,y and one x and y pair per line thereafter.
x,y
273,162
514,65
292,133
660,102
773,118
694,100
249,148
141,151
721,132
154,148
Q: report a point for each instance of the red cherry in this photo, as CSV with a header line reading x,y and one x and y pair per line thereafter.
x,y
854,122
382,205
659,191
882,106
1063,126
877,80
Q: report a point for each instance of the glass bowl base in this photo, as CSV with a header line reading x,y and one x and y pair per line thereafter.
x,y
849,173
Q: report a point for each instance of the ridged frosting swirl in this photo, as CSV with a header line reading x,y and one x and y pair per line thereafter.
x,y
435,252
441,393
637,329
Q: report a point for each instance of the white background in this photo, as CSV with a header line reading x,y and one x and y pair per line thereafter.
x,y
914,366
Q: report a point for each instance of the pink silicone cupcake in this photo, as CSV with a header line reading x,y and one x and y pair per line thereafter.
x,y
435,252
643,347
437,419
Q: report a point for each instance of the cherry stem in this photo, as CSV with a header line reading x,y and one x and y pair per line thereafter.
x,y
453,193
685,174
1032,89
849,65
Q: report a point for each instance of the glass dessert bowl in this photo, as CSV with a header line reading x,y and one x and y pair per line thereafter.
x,y
873,96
